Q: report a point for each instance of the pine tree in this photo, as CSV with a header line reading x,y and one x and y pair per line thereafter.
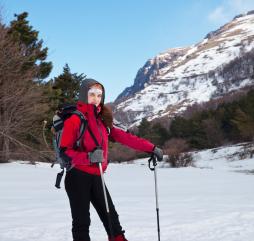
x,y
23,33
144,129
214,134
159,134
58,91
66,86
244,123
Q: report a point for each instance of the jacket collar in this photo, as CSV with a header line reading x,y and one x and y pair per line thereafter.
x,y
88,108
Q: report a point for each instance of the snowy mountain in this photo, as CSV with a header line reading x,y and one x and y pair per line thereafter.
x,y
171,81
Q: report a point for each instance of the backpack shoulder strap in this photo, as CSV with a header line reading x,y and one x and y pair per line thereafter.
x,y
83,126
94,138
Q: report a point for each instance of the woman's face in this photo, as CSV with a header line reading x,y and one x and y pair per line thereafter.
x,y
95,95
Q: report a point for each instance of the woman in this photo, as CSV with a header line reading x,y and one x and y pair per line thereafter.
x,y
83,182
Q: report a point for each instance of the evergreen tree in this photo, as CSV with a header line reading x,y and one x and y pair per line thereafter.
x,y
62,89
156,133
159,134
66,86
181,128
144,129
213,132
245,124
23,33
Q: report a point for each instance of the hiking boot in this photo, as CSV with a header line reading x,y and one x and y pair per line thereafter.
x,y
118,238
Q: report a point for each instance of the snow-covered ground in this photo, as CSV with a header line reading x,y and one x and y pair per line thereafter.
x,y
213,202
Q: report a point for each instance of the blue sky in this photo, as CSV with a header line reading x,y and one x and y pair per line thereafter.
x,y
110,40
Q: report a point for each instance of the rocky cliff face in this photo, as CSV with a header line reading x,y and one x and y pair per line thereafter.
x,y
221,63
149,72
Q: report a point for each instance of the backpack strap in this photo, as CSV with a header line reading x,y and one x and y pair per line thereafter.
x,y
83,126
92,135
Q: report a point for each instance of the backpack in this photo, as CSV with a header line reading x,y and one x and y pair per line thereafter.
x,y
62,114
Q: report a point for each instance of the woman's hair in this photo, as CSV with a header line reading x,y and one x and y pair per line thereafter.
x,y
107,116
96,86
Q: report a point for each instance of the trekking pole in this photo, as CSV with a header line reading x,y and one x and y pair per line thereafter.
x,y
106,202
153,168
43,133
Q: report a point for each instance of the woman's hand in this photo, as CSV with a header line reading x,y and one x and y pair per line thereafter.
x,y
158,153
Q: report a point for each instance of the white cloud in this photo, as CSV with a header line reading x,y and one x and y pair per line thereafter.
x,y
218,15
228,9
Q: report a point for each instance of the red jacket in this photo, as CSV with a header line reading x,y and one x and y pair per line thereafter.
x,y
80,158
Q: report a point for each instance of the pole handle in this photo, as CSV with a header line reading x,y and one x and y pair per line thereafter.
x,y
152,160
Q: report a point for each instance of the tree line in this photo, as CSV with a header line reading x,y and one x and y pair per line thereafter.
x,y
228,120
26,98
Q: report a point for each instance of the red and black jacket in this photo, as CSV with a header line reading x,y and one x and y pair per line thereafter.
x,y
79,157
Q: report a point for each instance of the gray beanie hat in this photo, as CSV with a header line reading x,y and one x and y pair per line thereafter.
x,y
85,86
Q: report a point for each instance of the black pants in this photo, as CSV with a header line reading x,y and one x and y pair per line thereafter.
x,y
83,188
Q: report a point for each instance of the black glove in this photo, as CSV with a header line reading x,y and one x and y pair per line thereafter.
x,y
158,153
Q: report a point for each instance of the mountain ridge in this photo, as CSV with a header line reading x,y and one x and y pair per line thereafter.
x,y
171,81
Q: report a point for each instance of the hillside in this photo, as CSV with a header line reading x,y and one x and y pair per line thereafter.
x,y
167,84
